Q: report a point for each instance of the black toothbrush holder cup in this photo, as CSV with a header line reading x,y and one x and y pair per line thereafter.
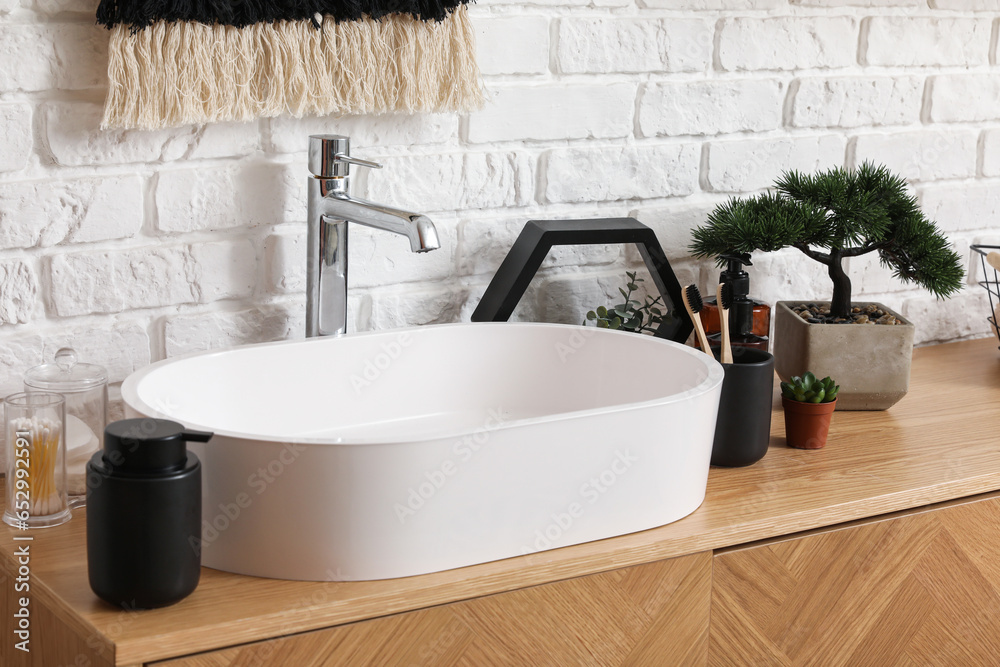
x,y
743,427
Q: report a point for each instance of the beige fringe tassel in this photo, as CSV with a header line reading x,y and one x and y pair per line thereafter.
x,y
179,73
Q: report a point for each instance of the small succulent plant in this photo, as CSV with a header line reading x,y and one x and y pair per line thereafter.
x,y
807,389
631,315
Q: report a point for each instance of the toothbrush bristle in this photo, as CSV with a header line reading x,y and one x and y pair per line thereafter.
x,y
694,298
726,292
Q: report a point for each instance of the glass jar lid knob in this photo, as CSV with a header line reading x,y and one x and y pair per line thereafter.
x,y
65,359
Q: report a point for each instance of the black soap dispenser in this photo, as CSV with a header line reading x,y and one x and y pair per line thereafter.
x,y
749,319
144,514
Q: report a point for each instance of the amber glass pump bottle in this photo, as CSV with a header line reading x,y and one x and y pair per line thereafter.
x,y
749,319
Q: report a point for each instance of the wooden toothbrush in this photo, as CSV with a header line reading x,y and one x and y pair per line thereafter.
x,y
693,303
724,299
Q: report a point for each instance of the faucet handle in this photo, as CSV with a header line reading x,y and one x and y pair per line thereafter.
x,y
330,156
343,157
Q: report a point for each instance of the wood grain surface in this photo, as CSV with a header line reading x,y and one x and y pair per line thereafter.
x,y
940,442
922,589
655,614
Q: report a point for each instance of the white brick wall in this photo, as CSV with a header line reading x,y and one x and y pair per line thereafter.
x,y
139,245
787,43
927,42
711,107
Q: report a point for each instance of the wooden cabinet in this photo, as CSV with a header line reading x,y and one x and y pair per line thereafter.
x,y
655,614
917,589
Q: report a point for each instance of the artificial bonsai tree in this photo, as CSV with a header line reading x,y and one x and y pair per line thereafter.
x,y
833,215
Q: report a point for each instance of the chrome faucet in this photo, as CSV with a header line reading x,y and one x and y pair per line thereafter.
x,y
331,207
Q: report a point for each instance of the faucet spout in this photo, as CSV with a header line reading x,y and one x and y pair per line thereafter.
x,y
418,228
330,208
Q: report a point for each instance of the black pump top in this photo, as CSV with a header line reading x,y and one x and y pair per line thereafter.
x,y
736,276
148,445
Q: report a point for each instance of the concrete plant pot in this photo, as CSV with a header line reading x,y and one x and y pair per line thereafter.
x,y
870,362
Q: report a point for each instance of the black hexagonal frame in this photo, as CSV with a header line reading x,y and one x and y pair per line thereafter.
x,y
538,236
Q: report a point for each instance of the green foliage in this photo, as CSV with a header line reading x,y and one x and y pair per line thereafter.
x,y
835,214
630,315
807,389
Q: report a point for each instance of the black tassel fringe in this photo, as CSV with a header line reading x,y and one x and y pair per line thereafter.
x,y
142,13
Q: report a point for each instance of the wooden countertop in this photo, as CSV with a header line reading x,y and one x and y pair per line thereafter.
x,y
941,442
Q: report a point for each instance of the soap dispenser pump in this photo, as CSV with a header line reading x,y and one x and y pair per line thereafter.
x,y
749,319
144,514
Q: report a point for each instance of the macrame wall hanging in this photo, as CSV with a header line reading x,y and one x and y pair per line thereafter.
x,y
175,62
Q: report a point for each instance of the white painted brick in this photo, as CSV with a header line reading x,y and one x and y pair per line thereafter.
x,y
991,153
485,243
183,334
860,3
691,272
475,9
75,137
122,348
391,310
291,135
784,43
621,172
967,5
929,42
495,36
216,140
452,181
51,52
711,107
58,55
789,275
221,198
18,287
18,353
857,101
963,247
673,225
962,207
634,45
712,4
52,7
555,112
376,257
968,97
44,213
224,270
285,261
748,165
963,315
290,189
921,156
15,129
869,277
113,281
529,308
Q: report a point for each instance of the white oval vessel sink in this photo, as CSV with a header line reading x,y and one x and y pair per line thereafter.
x,y
410,451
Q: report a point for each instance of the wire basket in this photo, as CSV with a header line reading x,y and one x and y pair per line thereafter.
x,y
991,281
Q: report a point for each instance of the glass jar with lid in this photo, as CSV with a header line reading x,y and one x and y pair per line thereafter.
x,y
85,388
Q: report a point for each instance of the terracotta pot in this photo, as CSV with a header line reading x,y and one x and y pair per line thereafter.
x,y
807,424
